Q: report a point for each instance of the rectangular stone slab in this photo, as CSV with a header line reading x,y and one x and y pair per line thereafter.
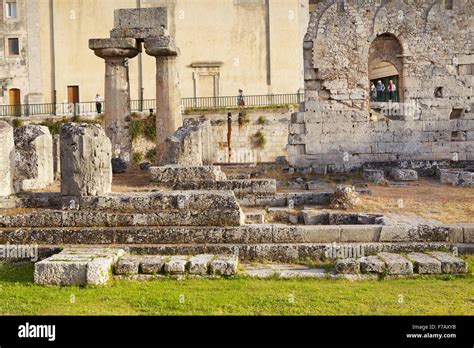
x,y
199,264
224,265
347,266
152,264
396,264
372,264
449,263
424,264
127,265
176,265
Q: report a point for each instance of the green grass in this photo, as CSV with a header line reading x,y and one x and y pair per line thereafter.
x,y
238,296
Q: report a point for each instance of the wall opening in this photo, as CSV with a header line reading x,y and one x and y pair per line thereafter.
x,y
455,114
385,65
14,96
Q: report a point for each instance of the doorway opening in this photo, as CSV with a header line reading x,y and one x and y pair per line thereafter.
x,y
14,96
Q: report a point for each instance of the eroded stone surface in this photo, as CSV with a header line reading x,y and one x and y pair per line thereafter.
x,y
199,264
344,197
172,174
449,263
347,266
176,265
372,264
7,159
224,265
397,174
396,264
424,264
86,154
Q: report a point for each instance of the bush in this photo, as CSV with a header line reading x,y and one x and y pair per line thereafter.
x,y
140,127
151,155
17,123
137,157
259,139
261,120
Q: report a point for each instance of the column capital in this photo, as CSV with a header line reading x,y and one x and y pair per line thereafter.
x,y
161,46
115,48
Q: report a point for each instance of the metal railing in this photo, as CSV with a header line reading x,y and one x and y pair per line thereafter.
x,y
201,103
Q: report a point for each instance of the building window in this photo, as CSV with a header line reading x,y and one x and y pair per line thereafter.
x,y
13,46
448,4
11,9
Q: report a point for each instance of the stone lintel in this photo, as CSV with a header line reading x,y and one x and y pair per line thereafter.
x,y
141,18
161,46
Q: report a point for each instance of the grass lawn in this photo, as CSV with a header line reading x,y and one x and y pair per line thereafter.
x,y
238,296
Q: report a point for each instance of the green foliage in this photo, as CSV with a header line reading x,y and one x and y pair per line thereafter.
x,y
55,126
259,139
143,127
151,155
17,123
261,120
137,157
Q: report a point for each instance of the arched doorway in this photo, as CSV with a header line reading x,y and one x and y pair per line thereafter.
x,y
385,65
14,97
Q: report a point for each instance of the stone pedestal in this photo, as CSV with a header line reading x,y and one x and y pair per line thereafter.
x,y
7,159
168,100
116,53
86,156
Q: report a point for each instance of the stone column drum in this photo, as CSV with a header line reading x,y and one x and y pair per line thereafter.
x,y
116,53
168,99
7,159
86,160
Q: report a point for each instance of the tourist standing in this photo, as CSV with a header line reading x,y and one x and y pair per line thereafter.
x,y
391,90
380,90
240,98
98,103
373,92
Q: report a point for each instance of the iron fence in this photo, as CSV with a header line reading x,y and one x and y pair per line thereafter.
x,y
201,103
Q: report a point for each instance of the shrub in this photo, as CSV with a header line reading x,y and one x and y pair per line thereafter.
x,y
137,157
259,139
261,120
17,123
151,155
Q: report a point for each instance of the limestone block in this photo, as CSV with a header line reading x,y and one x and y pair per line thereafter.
x,y
449,263
468,233
224,265
86,155
199,264
175,265
375,176
98,271
360,233
344,197
403,174
7,159
34,167
347,266
127,265
314,217
171,174
424,264
396,264
152,264
372,264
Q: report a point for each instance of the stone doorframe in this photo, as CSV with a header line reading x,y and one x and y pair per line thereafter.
x,y
206,69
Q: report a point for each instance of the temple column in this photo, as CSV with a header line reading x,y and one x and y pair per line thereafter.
x,y
116,53
168,99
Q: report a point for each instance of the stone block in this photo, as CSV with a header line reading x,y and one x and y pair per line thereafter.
x,y
347,266
7,159
468,230
424,264
175,265
86,155
224,265
172,174
34,157
396,264
372,264
449,263
395,234
127,265
152,264
360,233
199,264
375,176
314,217
403,174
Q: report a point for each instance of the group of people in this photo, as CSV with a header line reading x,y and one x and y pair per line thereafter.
x,y
377,91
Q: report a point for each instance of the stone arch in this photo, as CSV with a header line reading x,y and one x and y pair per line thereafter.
x,y
385,59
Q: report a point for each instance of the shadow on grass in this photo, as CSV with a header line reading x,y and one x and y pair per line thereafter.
x,y
12,272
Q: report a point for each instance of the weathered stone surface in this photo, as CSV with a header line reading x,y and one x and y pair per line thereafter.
x,y
372,264
7,159
141,23
175,265
424,264
86,155
360,233
449,263
128,265
199,264
173,174
347,266
256,217
375,176
453,177
152,264
240,187
396,264
344,197
34,157
314,217
468,230
397,174
77,266
224,265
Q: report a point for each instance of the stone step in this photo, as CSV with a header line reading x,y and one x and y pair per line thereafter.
x,y
284,199
430,262
239,187
222,265
244,234
255,217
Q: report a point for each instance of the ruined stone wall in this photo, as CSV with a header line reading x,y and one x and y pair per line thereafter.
x,y
338,124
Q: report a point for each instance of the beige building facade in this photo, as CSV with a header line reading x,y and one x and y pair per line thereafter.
x,y
225,45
